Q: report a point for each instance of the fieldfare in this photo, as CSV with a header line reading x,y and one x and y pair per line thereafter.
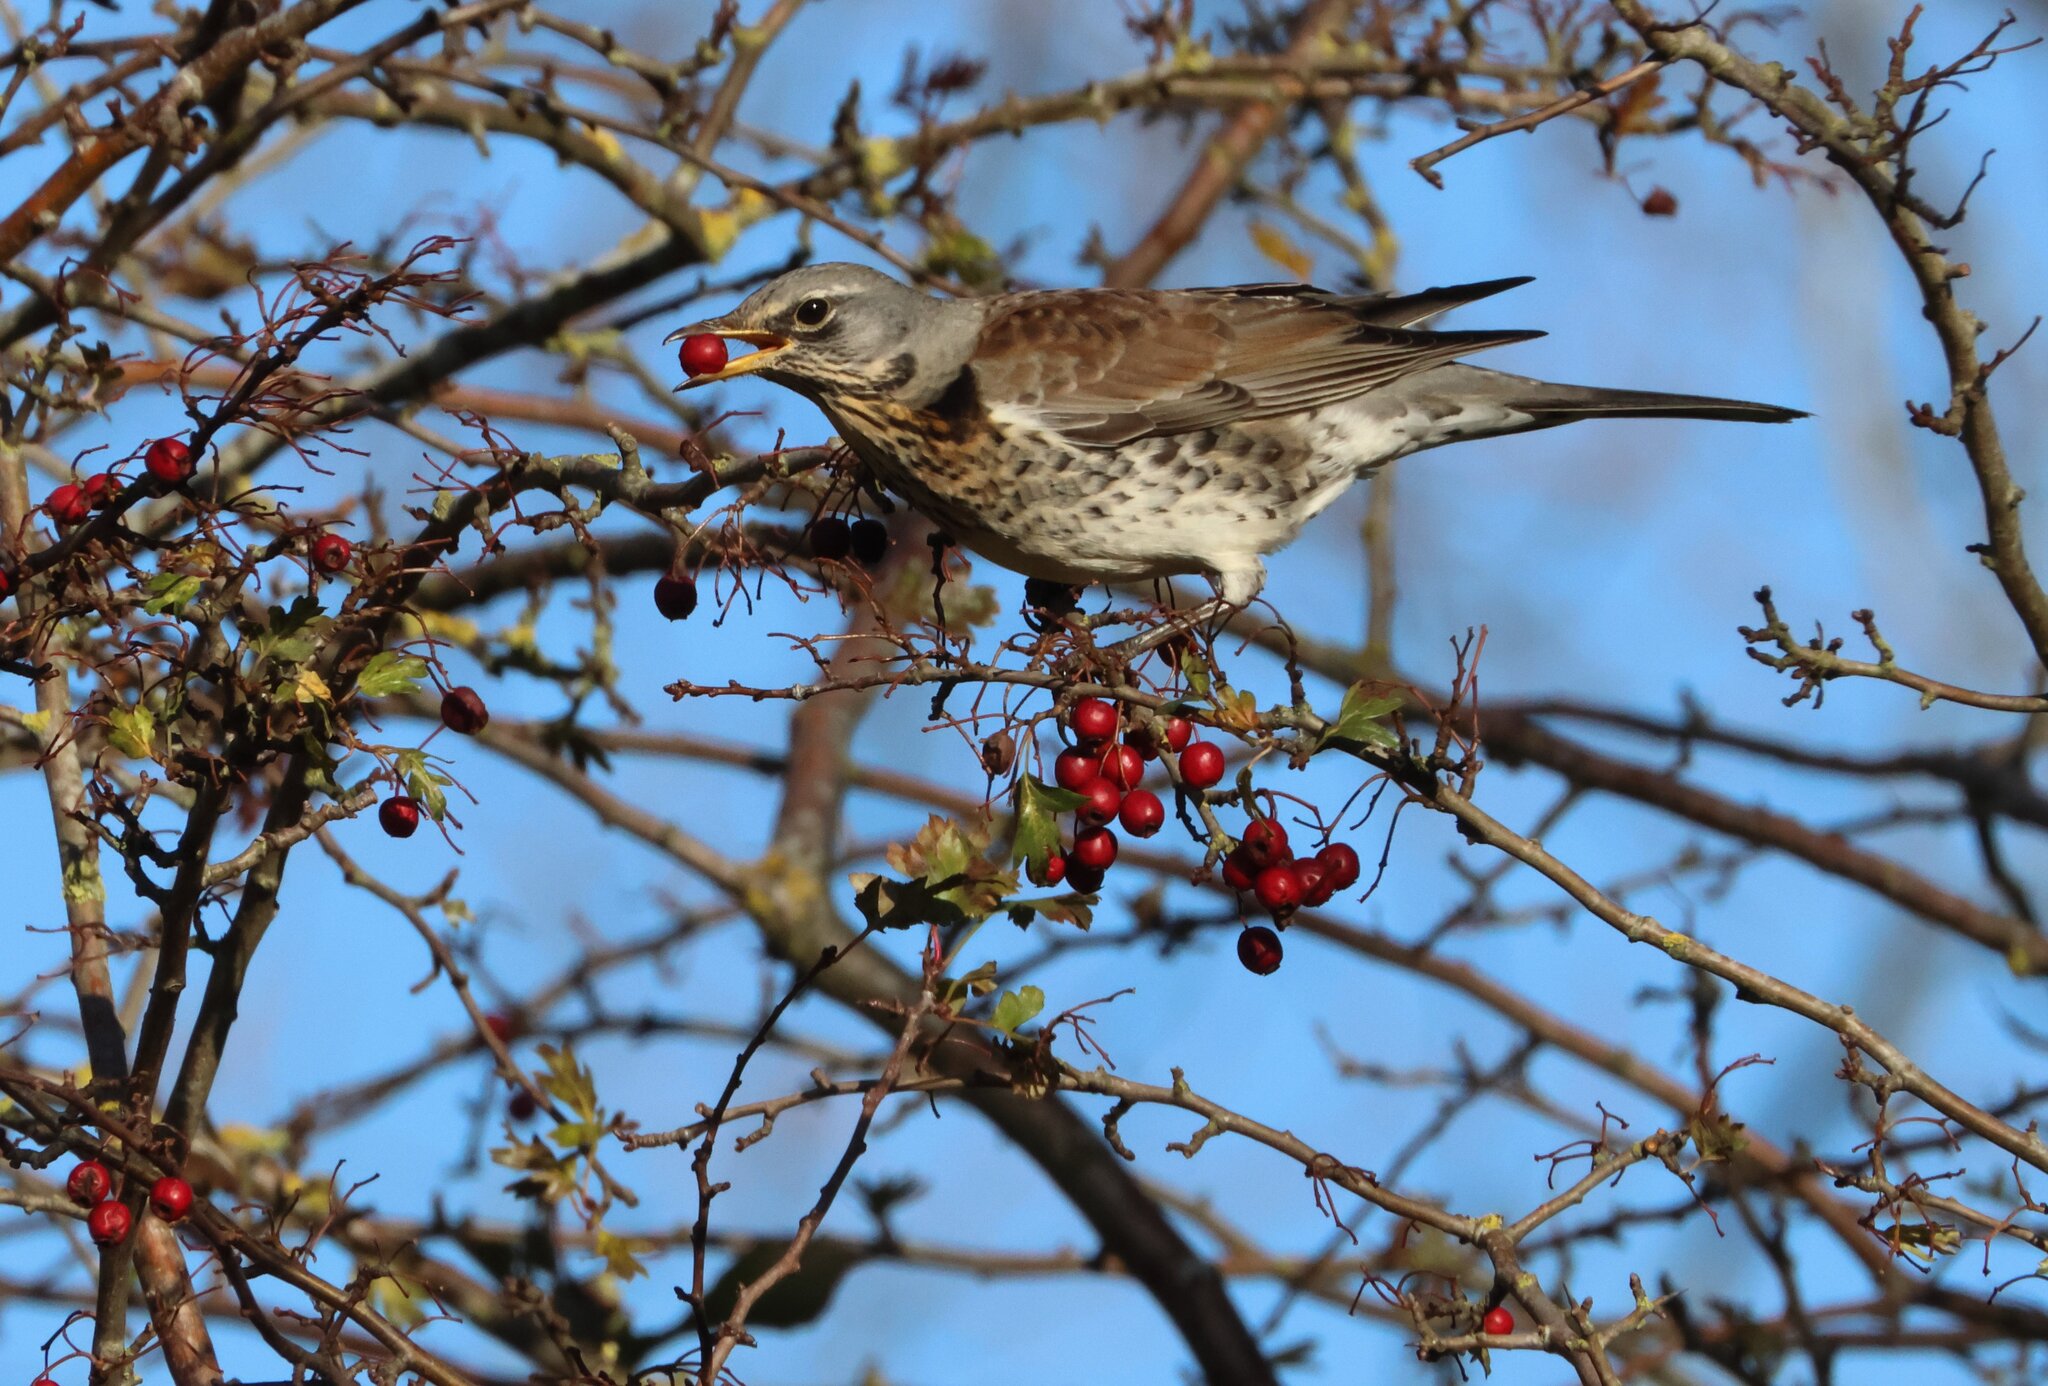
x,y
1109,435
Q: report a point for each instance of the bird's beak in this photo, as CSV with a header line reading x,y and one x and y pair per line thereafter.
x,y
768,346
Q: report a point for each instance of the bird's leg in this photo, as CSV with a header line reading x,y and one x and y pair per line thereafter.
x,y
1236,586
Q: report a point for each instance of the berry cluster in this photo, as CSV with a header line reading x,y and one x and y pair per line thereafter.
x,y
1106,773
91,1185
169,460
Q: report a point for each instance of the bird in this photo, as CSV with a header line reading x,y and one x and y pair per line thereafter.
x,y
1113,435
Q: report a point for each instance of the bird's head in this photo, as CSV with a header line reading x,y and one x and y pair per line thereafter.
x,y
846,330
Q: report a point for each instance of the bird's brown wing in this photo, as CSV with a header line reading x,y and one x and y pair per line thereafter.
x,y
1106,367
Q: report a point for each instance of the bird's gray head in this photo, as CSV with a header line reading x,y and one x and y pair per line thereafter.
x,y
846,330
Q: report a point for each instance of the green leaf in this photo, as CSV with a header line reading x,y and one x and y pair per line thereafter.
x,y
172,591
548,1177
390,672
292,633
1358,720
1017,1007
423,782
568,1082
131,730
621,1254
1038,830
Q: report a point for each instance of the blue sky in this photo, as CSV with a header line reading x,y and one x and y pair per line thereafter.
x,y
1609,563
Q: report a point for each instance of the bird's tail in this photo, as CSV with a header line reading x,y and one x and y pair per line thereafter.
x,y
1557,404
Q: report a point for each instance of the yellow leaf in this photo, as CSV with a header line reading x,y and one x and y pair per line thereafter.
x,y
1273,243
309,687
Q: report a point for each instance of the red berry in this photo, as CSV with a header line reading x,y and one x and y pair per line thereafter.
x,y
67,505
1277,889
1314,879
1265,841
6,582
1085,879
1142,814
100,490
870,542
998,752
170,1198
1076,769
1238,870
1124,766
1093,721
502,1026
168,460
1201,764
1499,1320
1258,948
1342,864
703,354
109,1222
1146,741
43,1381
89,1182
399,816
463,710
1103,801
522,1106
1095,849
831,537
1051,874
331,553
675,596
1179,732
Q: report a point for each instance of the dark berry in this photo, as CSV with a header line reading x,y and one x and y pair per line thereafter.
x,y
1093,721
1277,889
88,1183
998,753
1142,814
170,1198
1342,864
68,506
1095,848
1238,870
502,1026
870,542
399,816
1314,879
109,1222
1201,764
1075,770
100,490
703,354
522,1107
1055,597
675,596
1051,874
463,710
1258,948
1499,1321
1085,879
331,553
168,460
1659,203
1103,799
1265,841
831,537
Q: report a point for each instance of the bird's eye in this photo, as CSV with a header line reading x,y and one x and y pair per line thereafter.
x,y
812,312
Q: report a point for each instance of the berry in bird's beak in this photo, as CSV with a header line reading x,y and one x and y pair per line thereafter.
x,y
704,356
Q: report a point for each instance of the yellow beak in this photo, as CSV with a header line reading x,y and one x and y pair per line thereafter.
x,y
769,347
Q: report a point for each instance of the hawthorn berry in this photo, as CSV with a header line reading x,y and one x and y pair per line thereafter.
x,y
463,711
1095,848
1085,879
1499,1320
100,489
6,582
89,1182
1265,842
1278,889
68,506
331,552
1055,598
675,596
108,1222
1201,764
522,1107
703,354
1103,801
831,537
1075,769
1178,732
1051,874
998,753
1258,948
43,1381
1092,720
1142,814
870,542
1314,879
170,1198
1342,863
399,816
1660,203
502,1026
1238,870
169,460
1124,766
